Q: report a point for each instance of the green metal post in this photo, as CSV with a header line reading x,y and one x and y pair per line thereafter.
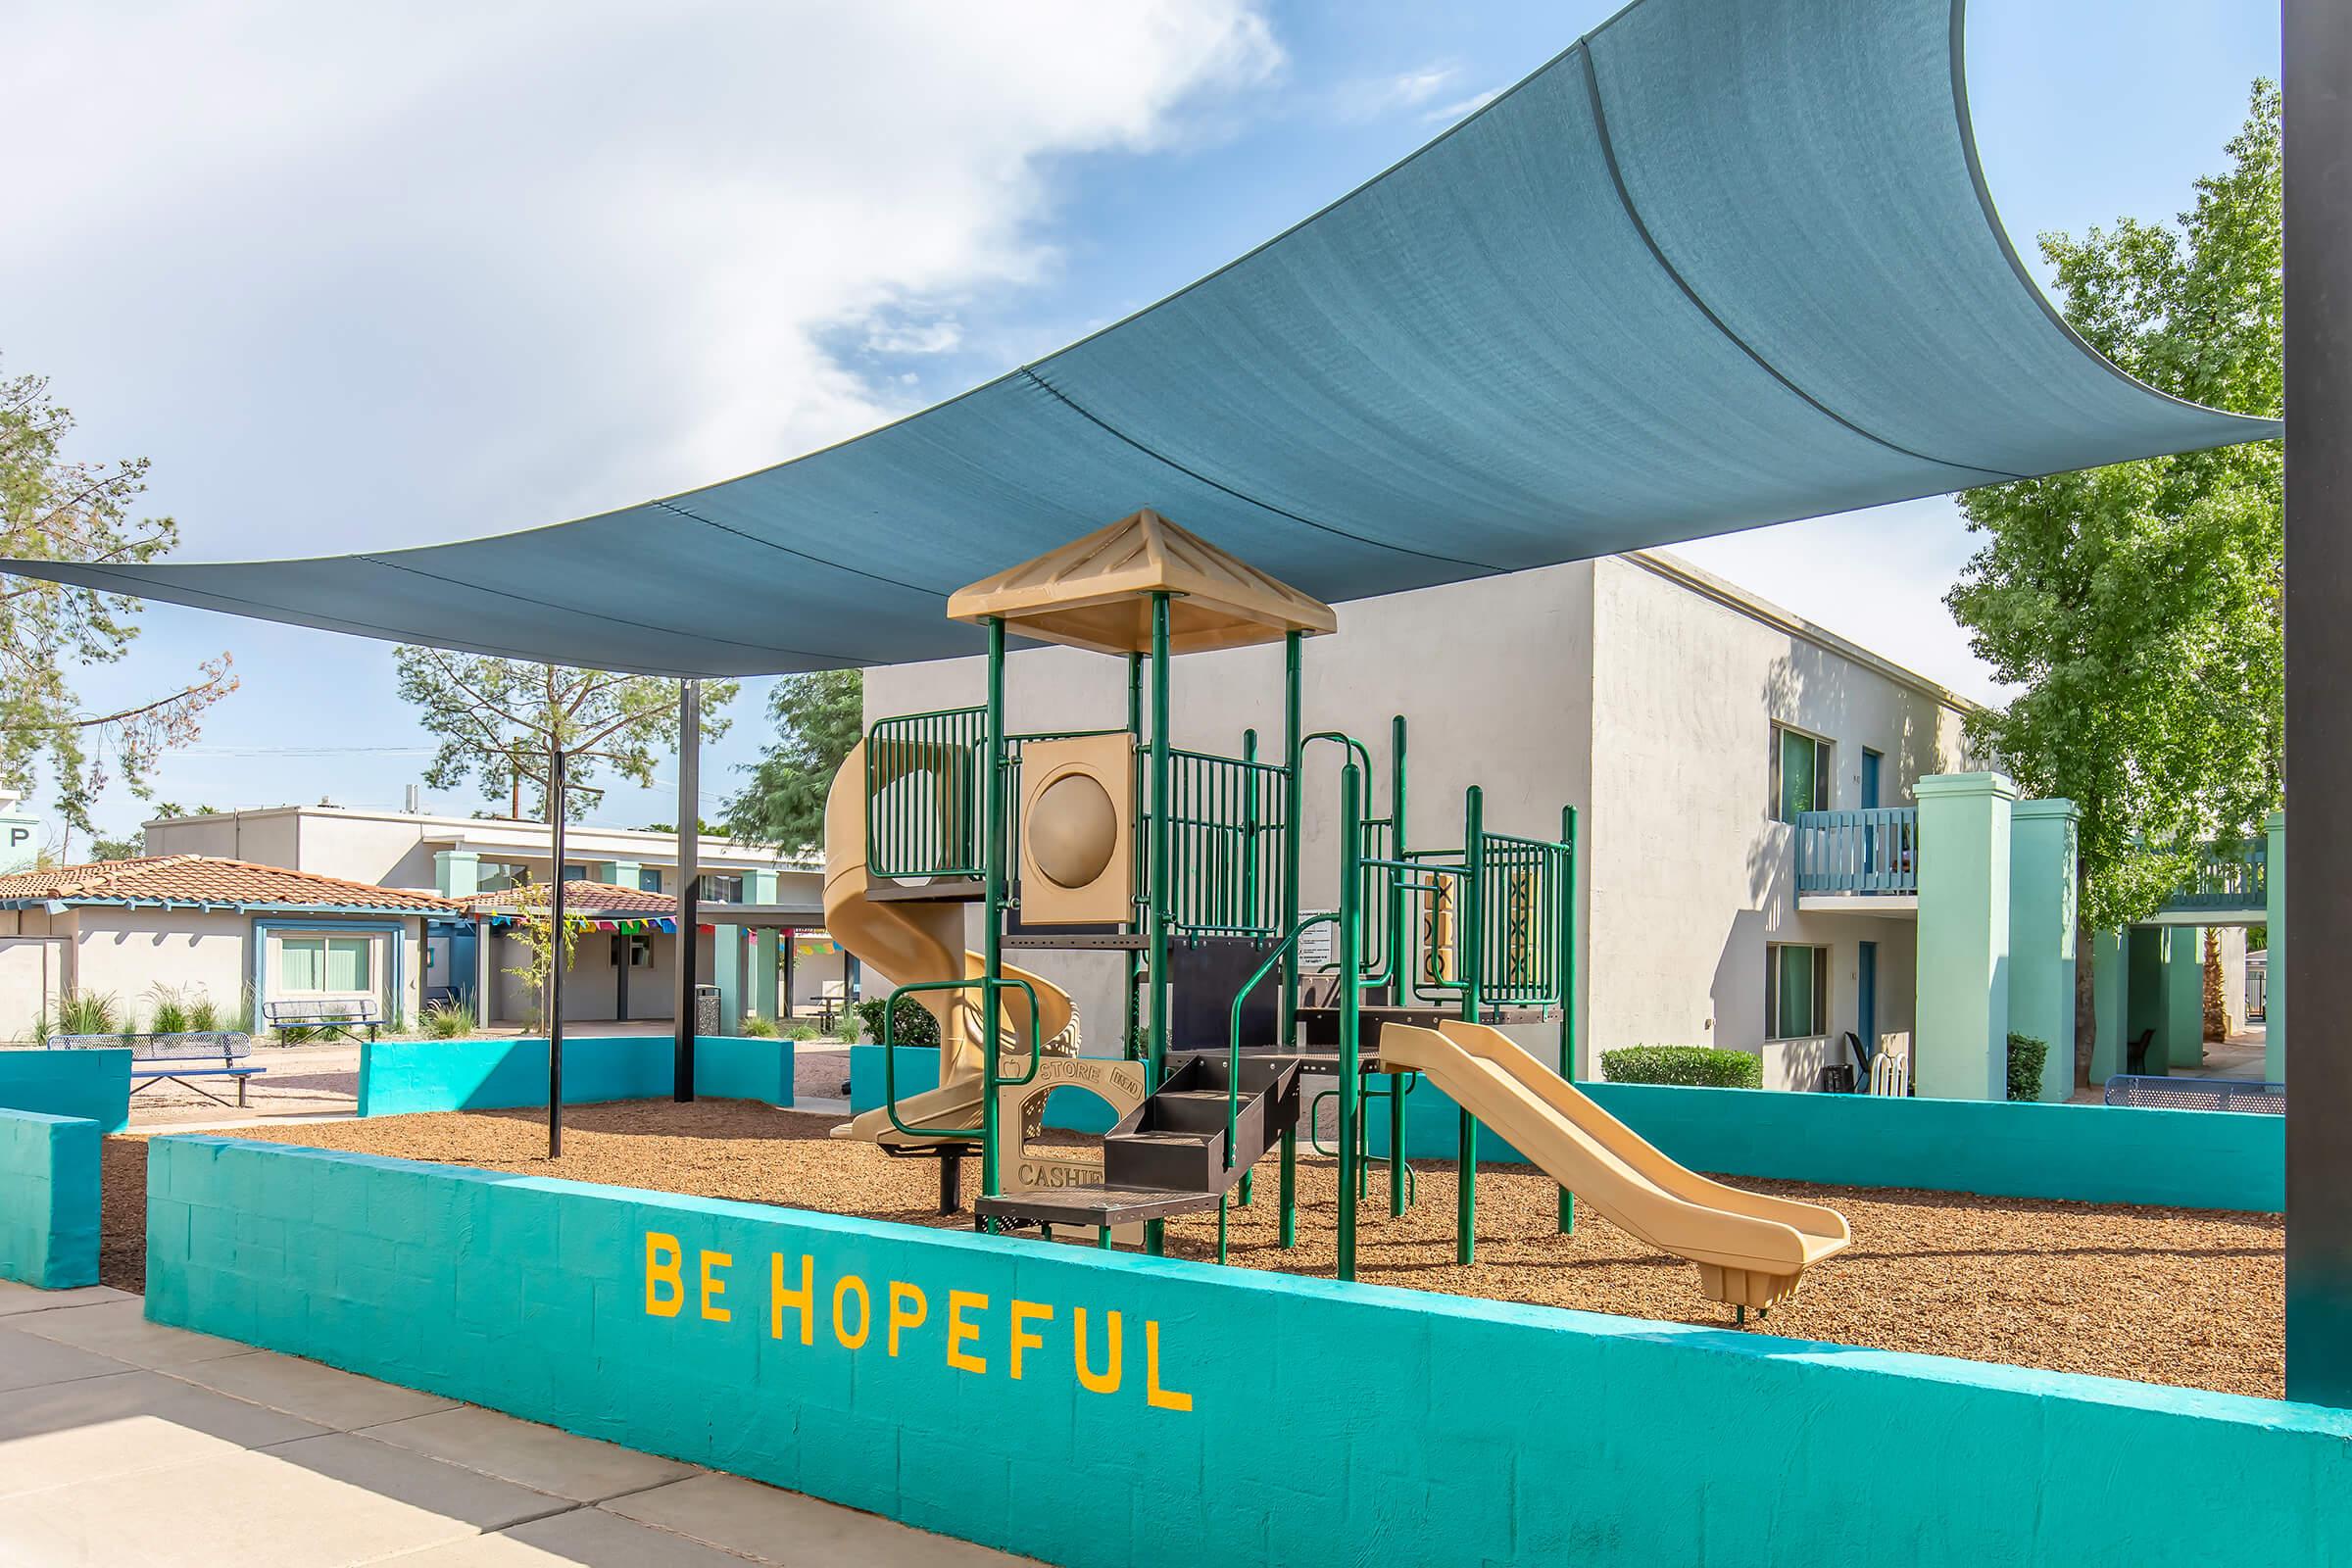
x,y
1474,957
1155,1065
991,920
1294,748
1135,724
1289,1187
1567,975
1351,839
1395,916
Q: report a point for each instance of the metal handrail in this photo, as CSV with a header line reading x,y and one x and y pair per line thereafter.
x,y
890,1050
1233,1064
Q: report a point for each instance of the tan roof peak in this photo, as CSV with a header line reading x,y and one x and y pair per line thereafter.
x,y
1096,592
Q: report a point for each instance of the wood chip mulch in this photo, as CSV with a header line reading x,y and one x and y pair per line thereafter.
x,y
2187,1296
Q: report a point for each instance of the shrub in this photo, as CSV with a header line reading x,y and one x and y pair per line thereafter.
x,y
1703,1066
204,1013
800,1031
447,1021
170,1016
756,1028
2026,1057
914,1025
89,1012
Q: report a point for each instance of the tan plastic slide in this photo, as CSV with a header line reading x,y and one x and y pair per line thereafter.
x,y
916,942
1751,1249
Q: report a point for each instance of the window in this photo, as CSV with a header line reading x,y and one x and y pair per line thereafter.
x,y
1796,980
713,889
331,964
1800,773
648,880
496,876
641,951
575,873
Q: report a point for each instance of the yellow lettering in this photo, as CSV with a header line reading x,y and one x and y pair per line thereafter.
x,y
662,1259
903,1297
866,1312
713,1287
1022,1340
804,1298
961,1333
1107,1380
1153,1395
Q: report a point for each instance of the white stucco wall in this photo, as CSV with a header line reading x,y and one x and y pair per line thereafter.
x,y
1691,877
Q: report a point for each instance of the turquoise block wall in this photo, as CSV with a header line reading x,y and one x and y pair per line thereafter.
x,y
48,1199
404,1077
2092,1153
91,1084
1067,1110
1253,1417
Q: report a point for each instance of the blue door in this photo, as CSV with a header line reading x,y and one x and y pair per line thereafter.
x,y
1866,1001
1869,780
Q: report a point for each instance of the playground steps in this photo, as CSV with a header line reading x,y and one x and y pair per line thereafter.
x,y
1168,1155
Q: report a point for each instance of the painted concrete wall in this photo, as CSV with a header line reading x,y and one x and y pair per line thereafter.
x,y
48,1199
407,1077
1389,1426
90,1085
2088,1154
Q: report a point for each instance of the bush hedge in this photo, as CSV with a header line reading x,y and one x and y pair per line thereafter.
x,y
2026,1057
1700,1066
915,1026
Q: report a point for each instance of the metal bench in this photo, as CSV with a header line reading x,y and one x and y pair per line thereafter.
x,y
179,1058
2195,1094
340,1017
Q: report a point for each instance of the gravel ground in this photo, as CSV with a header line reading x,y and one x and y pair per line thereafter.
x,y
2185,1297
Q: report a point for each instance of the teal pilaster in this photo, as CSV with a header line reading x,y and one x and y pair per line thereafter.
x,y
2274,1027
456,872
727,973
760,887
1961,1049
2183,1027
616,873
2042,847
2110,995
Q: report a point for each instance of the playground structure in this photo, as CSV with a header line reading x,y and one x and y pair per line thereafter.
x,y
1189,864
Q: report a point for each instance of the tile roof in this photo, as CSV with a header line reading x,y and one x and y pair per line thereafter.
x,y
579,897
206,879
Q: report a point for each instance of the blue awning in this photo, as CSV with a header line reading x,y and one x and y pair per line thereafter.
x,y
1722,264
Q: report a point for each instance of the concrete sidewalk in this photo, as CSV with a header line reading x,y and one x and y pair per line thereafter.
x,y
123,1442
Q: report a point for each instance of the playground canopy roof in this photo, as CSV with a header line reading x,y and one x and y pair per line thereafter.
x,y
1722,264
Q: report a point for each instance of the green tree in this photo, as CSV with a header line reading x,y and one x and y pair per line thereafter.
x,y
501,721
126,849
2139,607
55,510
818,717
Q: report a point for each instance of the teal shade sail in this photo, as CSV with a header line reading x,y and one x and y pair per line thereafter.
x,y
1722,264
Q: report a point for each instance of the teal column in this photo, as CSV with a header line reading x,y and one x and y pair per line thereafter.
x,y
2183,1030
727,973
456,872
616,873
2110,997
1961,1033
2273,1014
760,887
2041,934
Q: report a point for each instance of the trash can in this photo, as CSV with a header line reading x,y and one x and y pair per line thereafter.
x,y
705,1010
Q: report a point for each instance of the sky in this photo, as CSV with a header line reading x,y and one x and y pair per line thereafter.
x,y
366,277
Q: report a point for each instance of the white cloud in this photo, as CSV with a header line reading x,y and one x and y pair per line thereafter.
x,y
581,253
1373,97
1461,109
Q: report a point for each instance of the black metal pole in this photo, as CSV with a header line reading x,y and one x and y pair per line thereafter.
x,y
554,962
2318,40
689,874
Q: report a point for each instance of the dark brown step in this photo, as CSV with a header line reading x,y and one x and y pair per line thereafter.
x,y
949,889
1095,1206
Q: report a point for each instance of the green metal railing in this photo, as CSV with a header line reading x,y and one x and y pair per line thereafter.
x,y
988,988
924,780
1226,822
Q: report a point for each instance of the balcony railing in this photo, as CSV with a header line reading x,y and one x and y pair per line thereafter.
x,y
2229,875
1858,852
